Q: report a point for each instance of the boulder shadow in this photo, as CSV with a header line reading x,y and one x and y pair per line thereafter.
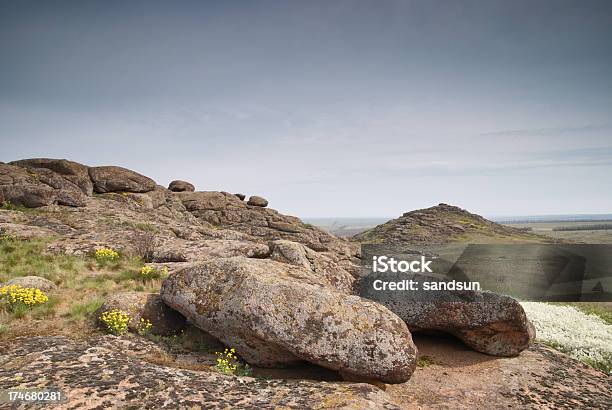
x,y
448,351
301,371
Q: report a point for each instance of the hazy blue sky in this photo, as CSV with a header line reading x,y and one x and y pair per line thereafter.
x,y
327,108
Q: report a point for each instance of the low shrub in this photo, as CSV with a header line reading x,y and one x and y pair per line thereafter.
x,y
148,272
228,363
116,321
7,237
105,255
19,299
144,326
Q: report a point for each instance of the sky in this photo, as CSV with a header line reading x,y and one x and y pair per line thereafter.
x,y
326,108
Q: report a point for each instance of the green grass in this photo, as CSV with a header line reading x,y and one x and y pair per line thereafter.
x,y
604,311
85,310
82,284
46,310
25,258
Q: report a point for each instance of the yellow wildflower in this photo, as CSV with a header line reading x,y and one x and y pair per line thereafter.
x,y
116,321
106,255
16,295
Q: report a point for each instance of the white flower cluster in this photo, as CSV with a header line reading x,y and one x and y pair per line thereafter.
x,y
584,337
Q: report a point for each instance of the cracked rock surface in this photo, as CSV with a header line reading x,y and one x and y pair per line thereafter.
x,y
103,373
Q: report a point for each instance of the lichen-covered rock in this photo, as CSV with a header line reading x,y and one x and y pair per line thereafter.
x,y
275,314
181,186
24,232
30,196
118,179
148,306
71,171
204,201
110,372
37,187
297,254
35,282
67,193
486,322
257,201
229,211
149,200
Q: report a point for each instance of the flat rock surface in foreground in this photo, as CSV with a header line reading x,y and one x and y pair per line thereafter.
x,y
98,374
539,378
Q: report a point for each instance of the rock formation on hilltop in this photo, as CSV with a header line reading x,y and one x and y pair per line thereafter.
x,y
442,224
238,274
298,267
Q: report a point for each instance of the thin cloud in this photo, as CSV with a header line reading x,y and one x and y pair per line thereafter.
x,y
551,131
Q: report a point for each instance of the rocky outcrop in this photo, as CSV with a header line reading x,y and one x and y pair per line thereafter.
x,y
41,182
181,186
67,193
29,183
257,201
34,188
147,306
118,179
486,322
280,291
277,314
73,172
109,372
35,282
226,210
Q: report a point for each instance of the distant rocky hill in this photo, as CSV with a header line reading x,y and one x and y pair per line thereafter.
x,y
443,224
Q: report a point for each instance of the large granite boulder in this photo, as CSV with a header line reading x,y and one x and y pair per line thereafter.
x,y
20,187
75,173
36,187
148,306
67,193
181,186
197,202
118,179
276,314
484,321
257,201
30,196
